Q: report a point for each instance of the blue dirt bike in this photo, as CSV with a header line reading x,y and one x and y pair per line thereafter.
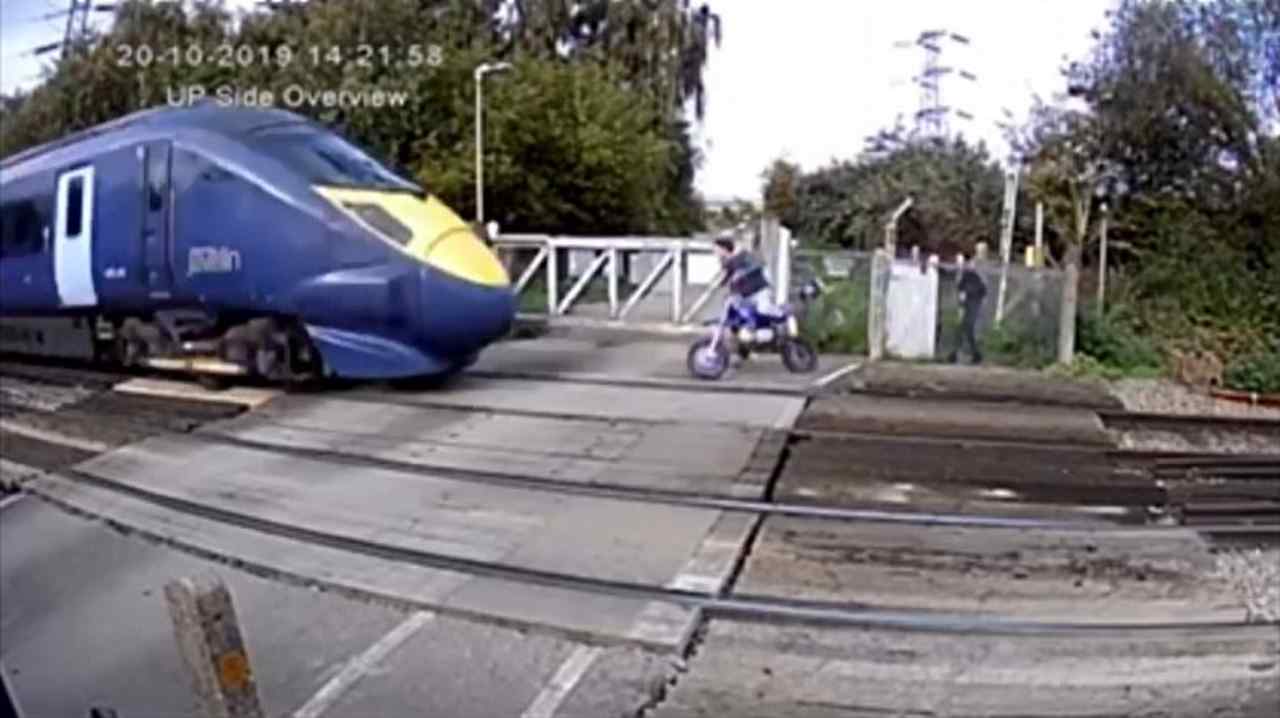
x,y
742,329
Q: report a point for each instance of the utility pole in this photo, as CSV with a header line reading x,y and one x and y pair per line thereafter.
x,y
931,117
479,74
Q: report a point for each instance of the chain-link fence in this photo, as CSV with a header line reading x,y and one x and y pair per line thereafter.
x,y
837,318
1025,336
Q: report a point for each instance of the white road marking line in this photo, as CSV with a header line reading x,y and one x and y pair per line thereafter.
x,y
790,415
247,396
725,537
563,682
53,437
847,369
359,666
10,500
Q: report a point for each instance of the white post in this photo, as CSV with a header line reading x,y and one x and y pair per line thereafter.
x,y
1039,234
1102,260
1006,237
783,290
212,645
677,282
553,277
613,283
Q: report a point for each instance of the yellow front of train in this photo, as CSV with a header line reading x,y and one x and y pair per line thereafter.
x,y
467,301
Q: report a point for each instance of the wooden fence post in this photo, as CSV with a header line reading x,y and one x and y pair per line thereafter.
x,y
213,647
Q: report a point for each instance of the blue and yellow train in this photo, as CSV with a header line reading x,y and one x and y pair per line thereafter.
x,y
235,241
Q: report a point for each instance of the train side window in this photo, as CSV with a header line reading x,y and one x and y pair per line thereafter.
x,y
75,207
21,229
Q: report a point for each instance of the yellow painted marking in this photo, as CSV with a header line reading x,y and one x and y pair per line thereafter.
x,y
247,396
440,237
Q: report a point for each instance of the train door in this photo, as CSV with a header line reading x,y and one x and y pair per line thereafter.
x,y
73,239
157,218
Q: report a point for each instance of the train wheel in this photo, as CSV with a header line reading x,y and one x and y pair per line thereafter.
x,y
212,382
129,351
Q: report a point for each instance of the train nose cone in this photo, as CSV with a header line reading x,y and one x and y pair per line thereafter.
x,y
461,317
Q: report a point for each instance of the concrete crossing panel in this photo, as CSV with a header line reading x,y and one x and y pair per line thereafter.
x,y
571,613
569,399
713,460
570,535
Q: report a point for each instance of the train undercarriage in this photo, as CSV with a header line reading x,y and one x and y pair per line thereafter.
x,y
212,349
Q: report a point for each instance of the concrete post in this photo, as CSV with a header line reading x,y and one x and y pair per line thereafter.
x,y
1039,234
876,312
209,638
782,288
770,235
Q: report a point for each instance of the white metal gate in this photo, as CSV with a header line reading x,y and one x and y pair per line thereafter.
x,y
911,315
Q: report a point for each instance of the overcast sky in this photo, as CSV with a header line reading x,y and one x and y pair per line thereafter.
x,y
802,79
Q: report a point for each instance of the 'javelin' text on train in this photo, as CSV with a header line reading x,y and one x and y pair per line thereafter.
x,y
215,260
293,96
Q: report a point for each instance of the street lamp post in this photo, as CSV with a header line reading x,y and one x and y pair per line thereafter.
x,y
480,72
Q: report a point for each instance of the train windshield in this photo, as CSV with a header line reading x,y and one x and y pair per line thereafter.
x,y
327,159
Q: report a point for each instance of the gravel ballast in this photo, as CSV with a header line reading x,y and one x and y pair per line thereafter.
x,y
1162,396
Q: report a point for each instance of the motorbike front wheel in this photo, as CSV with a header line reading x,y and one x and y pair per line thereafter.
x,y
798,355
706,362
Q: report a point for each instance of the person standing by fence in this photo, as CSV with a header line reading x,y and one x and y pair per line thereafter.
x,y
972,291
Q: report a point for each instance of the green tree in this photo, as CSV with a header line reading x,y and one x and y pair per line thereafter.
x,y
957,190
1174,135
580,139
780,188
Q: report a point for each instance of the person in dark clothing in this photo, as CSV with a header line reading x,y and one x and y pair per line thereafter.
x,y
744,275
972,291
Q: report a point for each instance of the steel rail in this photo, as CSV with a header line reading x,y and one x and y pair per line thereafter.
x,y
703,500
754,607
763,507
1149,420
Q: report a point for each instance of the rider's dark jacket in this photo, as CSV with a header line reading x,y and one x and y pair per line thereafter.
x,y
744,275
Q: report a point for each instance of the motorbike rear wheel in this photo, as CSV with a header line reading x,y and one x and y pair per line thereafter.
x,y
798,355
705,362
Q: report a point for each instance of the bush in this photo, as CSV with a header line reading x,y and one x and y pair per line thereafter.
x,y
1260,373
1113,343
1019,344
837,320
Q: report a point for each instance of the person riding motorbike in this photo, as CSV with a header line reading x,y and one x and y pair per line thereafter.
x,y
745,276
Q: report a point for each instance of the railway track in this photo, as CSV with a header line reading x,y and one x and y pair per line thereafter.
x,y
1223,495
744,602
737,606
140,416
